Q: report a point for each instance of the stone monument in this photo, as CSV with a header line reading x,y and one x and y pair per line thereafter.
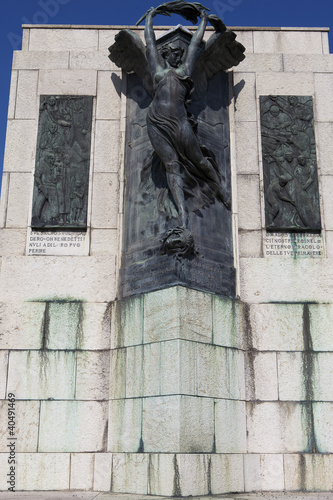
x,y
166,259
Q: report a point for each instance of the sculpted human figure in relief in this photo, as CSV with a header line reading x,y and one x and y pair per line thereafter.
x,y
171,77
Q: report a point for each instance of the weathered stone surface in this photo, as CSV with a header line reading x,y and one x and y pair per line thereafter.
x,y
118,374
324,132
134,371
277,428
75,426
323,372
130,473
260,62
13,242
177,312
279,280
108,95
105,201
244,94
94,278
247,156
250,244
227,473
292,376
310,472
323,97
248,202
329,244
246,38
92,375
20,146
4,198
277,327
26,99
178,367
12,95
327,191
321,326
162,471
290,42
261,380
227,322
67,81
284,84
19,196
82,471
3,373
21,325
89,60
264,472
43,471
102,471
151,369
64,325
323,426
42,374
104,242
302,63
40,60
125,423
212,371
193,474
230,426
127,322
178,424
94,333
26,418
53,39
107,146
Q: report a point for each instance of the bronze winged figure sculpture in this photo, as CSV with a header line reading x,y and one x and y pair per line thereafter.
x,y
172,77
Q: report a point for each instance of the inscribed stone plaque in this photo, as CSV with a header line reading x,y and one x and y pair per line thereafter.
x,y
60,197
289,164
150,211
294,245
57,243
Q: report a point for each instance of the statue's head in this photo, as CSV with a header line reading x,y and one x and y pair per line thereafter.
x,y
302,160
50,158
178,241
292,100
289,157
275,110
53,128
283,180
173,55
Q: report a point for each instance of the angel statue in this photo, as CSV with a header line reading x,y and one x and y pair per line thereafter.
x,y
171,77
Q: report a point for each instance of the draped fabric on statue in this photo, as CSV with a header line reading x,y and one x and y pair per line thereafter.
x,y
171,127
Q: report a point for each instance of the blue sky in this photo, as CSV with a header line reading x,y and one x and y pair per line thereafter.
x,y
14,13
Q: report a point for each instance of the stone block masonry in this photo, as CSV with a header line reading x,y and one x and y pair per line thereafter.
x,y
176,392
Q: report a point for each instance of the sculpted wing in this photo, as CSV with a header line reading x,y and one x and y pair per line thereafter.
x,y
129,53
221,52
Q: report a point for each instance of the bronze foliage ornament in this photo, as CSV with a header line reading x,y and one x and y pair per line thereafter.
x,y
173,77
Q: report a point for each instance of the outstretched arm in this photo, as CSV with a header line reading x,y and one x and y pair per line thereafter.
x,y
192,52
152,53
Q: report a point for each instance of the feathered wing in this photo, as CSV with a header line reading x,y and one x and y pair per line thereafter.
x,y
221,52
129,53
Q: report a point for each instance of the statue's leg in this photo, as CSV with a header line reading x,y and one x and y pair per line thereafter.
x,y
169,158
175,183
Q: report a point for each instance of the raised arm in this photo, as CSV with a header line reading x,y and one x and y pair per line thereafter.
x,y
192,52
152,53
